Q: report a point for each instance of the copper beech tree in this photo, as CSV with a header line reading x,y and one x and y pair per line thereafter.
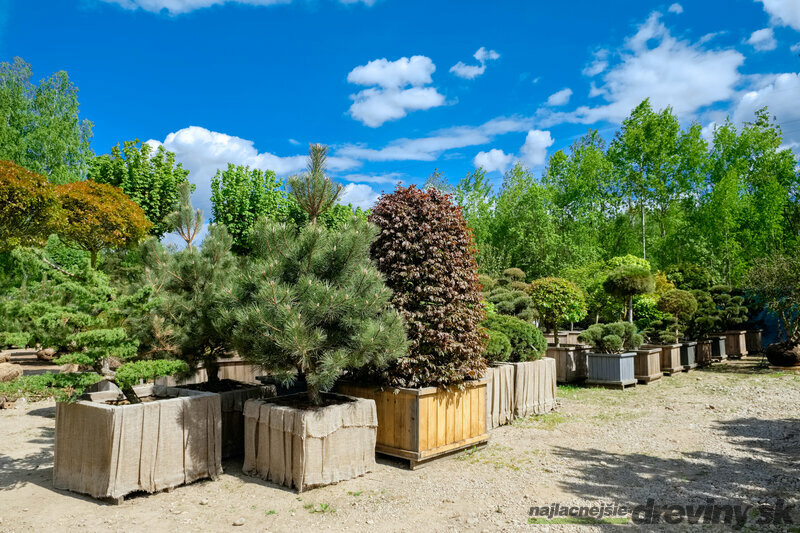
x,y
426,253
99,216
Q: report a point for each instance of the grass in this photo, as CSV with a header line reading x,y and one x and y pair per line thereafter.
x,y
48,385
319,508
547,421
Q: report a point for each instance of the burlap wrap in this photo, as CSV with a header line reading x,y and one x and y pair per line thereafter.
x,y
500,395
534,387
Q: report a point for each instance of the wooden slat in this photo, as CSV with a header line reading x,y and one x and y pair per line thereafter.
x,y
422,425
441,420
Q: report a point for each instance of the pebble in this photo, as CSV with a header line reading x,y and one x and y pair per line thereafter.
x,y
204,501
238,522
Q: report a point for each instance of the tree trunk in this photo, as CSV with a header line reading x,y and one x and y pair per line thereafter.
x,y
555,334
212,376
130,395
644,235
314,395
94,258
630,309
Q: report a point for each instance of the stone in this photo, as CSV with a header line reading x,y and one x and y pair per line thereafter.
x,y
46,354
238,522
9,371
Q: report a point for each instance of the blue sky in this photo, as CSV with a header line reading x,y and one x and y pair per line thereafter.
x,y
398,88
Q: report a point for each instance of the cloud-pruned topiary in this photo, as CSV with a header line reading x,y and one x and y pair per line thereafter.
x,y
626,281
426,253
617,337
498,349
682,305
527,342
557,300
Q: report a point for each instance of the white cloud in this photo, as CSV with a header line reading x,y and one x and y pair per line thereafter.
x,y
469,72
431,147
763,40
795,48
783,12
779,93
202,152
392,98
534,151
177,7
670,72
493,160
676,8
375,179
559,98
359,195
707,131
598,64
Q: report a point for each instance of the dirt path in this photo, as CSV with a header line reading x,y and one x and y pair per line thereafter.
x,y
731,434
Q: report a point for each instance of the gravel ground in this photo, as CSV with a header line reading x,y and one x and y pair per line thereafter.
x,y
730,433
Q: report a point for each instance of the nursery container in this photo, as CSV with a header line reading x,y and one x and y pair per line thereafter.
x,y
611,369
736,343
703,355
108,451
563,338
688,355
304,448
718,352
753,341
424,423
499,394
570,363
534,387
647,365
572,337
670,357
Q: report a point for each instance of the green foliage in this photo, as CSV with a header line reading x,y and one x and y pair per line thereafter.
x,y
498,348
29,207
627,281
707,317
60,387
41,129
527,342
151,179
512,302
612,338
514,274
314,191
487,282
689,277
97,345
129,374
732,311
682,305
645,308
557,300
775,282
427,254
664,331
14,339
240,196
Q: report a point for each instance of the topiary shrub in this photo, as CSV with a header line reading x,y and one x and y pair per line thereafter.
x,y
310,301
706,318
681,305
511,275
487,282
557,300
527,342
426,253
617,337
513,303
732,311
626,281
498,349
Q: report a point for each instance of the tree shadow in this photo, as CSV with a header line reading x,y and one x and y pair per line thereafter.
x,y
765,470
36,467
747,366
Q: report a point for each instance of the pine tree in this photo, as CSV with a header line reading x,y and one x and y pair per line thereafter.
x,y
310,301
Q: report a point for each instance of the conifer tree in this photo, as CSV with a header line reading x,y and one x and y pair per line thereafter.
x,y
311,302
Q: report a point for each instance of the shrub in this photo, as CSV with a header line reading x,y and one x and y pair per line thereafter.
x,y
311,302
427,254
527,342
706,319
29,208
612,338
513,303
487,282
626,281
514,274
14,339
557,300
61,387
688,276
498,349
775,281
681,305
732,311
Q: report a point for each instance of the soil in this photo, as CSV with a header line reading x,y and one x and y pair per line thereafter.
x,y
223,385
301,401
730,433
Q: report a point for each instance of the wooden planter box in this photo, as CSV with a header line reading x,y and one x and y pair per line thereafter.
x,y
306,448
736,344
670,357
611,369
571,363
753,341
108,451
563,338
718,352
572,337
689,355
647,365
500,395
534,387
703,356
422,424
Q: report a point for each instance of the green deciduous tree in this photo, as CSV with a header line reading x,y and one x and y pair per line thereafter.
x,y
557,300
626,281
150,178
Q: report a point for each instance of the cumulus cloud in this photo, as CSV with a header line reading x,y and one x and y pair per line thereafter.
x,y
469,72
795,48
429,148
389,178
559,98
534,151
359,195
399,88
202,152
493,160
783,12
670,72
598,64
763,40
676,8
177,7
779,93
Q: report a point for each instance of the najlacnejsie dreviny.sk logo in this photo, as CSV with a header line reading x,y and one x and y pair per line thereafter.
x,y
710,512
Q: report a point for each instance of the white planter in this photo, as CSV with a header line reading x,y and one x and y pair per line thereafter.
x,y
534,387
108,451
305,448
